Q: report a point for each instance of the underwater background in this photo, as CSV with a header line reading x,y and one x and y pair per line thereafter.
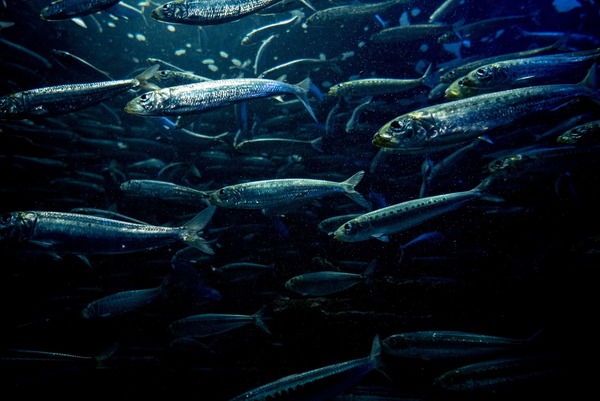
x,y
523,266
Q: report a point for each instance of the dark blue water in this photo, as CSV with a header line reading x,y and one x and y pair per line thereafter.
x,y
512,269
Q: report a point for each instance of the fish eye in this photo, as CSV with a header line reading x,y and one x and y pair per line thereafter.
x,y
5,218
163,73
350,228
396,125
483,73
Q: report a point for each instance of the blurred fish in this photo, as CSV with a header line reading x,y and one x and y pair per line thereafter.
x,y
207,12
210,95
211,324
62,99
404,34
377,86
58,232
381,223
165,78
322,283
349,13
277,194
581,135
279,146
301,65
120,303
165,191
67,9
259,34
443,10
318,384
450,124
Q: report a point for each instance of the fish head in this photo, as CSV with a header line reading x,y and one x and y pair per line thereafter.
x,y
17,227
149,103
169,12
412,131
351,231
226,196
10,107
486,76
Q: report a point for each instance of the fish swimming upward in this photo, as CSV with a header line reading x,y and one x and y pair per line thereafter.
x,y
72,233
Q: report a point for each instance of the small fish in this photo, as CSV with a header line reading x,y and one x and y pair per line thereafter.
x,y
120,303
203,96
380,223
581,135
166,78
322,283
61,232
62,99
207,12
259,34
285,193
377,86
318,384
349,13
165,191
66,9
211,324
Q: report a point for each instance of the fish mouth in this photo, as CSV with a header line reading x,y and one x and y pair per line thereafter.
x,y
383,141
134,108
451,94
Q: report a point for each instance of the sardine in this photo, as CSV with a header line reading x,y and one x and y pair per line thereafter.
x,y
203,96
62,99
207,12
67,9
284,193
60,233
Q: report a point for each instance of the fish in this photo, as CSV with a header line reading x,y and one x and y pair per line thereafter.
x,y
451,124
120,303
62,99
66,9
582,135
211,324
410,33
207,12
381,223
259,34
349,13
204,96
377,86
516,73
323,283
448,345
71,233
301,64
318,384
276,194
166,78
164,191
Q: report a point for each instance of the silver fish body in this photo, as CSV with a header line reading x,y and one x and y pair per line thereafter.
x,y
283,193
380,223
58,232
450,124
204,96
207,12
62,99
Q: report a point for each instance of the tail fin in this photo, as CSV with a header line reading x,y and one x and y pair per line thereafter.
x,y
258,319
483,189
302,94
142,79
349,185
194,227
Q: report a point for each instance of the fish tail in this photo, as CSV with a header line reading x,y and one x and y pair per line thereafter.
x,y
427,78
258,320
483,188
194,227
317,144
349,190
142,79
302,94
591,78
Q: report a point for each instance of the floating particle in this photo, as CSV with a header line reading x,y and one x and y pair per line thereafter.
x,y
180,52
236,62
424,48
170,28
361,44
188,45
223,54
208,61
140,37
213,67
415,12
111,24
130,35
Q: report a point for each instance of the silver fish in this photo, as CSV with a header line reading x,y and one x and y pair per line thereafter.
x,y
203,96
207,12
285,193
380,223
58,232
450,124
62,99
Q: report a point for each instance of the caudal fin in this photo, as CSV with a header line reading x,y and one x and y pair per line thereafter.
x,y
302,94
194,227
349,185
